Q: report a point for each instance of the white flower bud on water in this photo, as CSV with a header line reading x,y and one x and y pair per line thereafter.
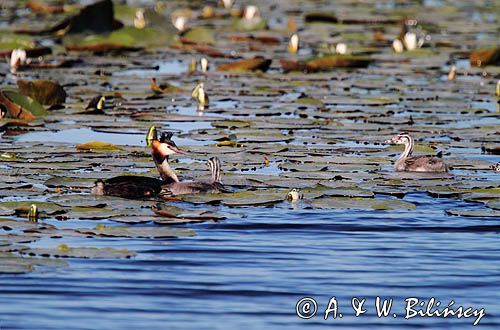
x,y
397,45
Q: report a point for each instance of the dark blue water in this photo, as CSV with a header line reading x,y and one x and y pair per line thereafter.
x,y
249,272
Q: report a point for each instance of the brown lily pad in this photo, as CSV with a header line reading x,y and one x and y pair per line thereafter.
x,y
483,57
15,110
101,48
252,64
97,17
164,88
326,63
320,18
268,40
46,92
40,7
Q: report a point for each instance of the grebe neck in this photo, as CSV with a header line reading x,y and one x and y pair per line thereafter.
x,y
166,172
407,152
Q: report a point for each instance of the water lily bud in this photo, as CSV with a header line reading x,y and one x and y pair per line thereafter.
x,y
266,161
151,136
204,64
33,213
397,45
200,95
100,103
452,74
293,44
498,88
180,23
192,65
226,3
251,12
139,21
18,58
410,41
421,42
341,48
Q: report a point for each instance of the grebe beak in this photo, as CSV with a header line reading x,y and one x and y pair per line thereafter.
x,y
178,151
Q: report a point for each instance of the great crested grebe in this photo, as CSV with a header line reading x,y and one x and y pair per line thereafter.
x,y
134,186
197,187
415,164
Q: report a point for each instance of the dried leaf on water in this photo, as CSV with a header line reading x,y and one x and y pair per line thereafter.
x,y
326,63
20,106
46,92
483,57
252,64
96,17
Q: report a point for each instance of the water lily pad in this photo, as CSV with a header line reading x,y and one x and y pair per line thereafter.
x,y
13,264
252,64
255,24
488,56
128,37
97,17
137,232
44,91
170,211
98,146
9,41
326,63
64,251
200,35
475,213
69,182
240,198
21,106
21,207
362,203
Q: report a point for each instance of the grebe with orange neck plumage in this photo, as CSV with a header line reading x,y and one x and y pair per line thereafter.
x,y
134,186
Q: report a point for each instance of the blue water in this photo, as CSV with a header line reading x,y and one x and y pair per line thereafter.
x,y
249,272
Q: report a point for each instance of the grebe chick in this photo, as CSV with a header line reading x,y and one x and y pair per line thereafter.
x,y
415,164
134,186
197,187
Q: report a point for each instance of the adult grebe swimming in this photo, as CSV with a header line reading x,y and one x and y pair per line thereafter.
x,y
134,186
